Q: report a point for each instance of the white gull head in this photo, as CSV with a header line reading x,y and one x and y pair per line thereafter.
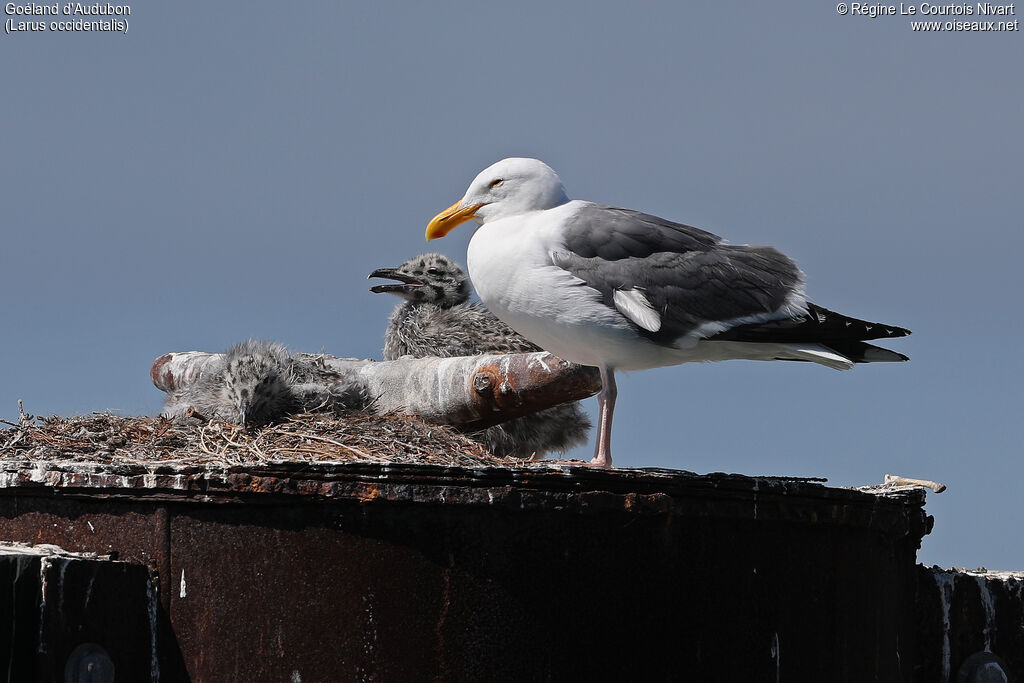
x,y
509,187
514,186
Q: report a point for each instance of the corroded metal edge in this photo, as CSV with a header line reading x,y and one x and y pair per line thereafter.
x,y
966,612
49,551
572,489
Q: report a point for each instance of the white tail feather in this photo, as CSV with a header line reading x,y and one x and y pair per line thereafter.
x,y
817,354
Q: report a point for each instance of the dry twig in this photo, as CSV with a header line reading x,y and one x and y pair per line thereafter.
x,y
312,437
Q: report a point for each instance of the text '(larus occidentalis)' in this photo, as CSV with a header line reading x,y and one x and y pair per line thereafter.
x,y
436,318
624,290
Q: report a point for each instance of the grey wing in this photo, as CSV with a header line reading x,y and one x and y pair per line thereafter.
x,y
672,280
612,234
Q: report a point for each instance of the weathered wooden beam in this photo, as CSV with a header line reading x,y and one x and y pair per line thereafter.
x,y
896,480
177,370
471,392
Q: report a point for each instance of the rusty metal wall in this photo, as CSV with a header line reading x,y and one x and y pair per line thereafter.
x,y
964,615
385,573
70,618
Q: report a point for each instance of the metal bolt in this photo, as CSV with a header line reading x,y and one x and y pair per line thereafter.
x,y
482,383
89,663
982,667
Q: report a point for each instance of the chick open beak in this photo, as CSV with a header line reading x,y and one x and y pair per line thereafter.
x,y
409,283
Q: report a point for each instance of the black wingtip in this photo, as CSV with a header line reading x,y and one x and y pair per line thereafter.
x,y
891,331
840,326
818,326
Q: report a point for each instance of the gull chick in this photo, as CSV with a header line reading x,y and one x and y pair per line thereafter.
x,y
258,382
436,319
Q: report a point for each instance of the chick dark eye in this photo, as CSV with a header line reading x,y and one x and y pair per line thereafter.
x,y
496,182
433,271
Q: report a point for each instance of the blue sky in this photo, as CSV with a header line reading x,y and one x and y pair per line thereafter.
x,y
234,170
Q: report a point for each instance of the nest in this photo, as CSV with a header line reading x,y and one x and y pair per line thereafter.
x,y
310,437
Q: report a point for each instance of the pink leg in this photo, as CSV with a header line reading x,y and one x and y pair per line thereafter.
x,y
606,403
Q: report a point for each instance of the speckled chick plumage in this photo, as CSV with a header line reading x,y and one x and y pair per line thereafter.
x,y
437,319
256,383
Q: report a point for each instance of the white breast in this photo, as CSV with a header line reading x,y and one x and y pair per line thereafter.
x,y
511,268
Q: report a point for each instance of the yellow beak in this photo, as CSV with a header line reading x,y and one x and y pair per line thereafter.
x,y
446,221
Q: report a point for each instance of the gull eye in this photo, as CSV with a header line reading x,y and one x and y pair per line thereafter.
x,y
496,182
433,271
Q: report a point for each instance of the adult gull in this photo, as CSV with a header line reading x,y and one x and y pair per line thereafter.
x,y
625,290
